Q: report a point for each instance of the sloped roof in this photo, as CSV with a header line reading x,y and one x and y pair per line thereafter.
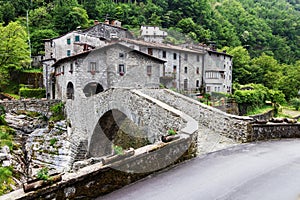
x,y
161,46
110,45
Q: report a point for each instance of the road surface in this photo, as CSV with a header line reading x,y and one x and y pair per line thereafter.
x,y
257,171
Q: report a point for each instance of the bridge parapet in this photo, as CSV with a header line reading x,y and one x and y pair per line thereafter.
x,y
232,126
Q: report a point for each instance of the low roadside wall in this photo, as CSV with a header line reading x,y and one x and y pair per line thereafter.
x,y
275,131
98,179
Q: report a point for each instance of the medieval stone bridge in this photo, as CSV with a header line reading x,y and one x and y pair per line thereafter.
x,y
93,120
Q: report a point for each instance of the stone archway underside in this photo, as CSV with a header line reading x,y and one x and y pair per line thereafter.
x,y
115,128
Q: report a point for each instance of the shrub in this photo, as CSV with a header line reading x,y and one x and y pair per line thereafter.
x,y
53,141
172,132
32,93
2,120
57,112
5,180
43,174
295,103
118,150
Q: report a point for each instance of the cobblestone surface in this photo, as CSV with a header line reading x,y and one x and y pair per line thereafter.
x,y
209,141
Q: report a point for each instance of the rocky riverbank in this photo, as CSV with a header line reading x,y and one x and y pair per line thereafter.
x,y
36,144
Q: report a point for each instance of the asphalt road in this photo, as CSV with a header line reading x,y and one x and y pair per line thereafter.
x,y
260,171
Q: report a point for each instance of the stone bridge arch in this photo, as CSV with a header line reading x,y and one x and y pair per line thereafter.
x,y
115,128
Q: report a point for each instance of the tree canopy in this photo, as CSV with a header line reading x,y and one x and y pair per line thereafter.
x,y
263,36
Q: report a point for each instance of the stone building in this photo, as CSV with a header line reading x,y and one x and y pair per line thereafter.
x,y
78,41
187,67
183,67
218,72
152,34
110,66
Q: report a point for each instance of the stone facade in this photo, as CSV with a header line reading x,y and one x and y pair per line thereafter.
x,y
217,72
183,67
112,66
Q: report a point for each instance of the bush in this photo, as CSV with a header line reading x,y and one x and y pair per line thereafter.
x,y
43,174
5,180
57,112
32,93
295,103
2,120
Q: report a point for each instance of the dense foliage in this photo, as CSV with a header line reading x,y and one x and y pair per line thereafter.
x,y
32,93
252,96
263,35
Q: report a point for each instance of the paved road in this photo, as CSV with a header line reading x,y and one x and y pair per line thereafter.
x,y
260,171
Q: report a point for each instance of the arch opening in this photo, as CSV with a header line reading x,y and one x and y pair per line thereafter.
x,y
114,128
92,89
70,91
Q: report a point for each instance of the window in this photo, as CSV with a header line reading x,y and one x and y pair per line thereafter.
x,y
197,70
208,89
149,70
150,51
175,56
197,83
164,54
77,38
212,75
121,55
71,68
92,67
185,56
69,41
174,68
121,69
185,84
63,69
68,52
185,70
198,58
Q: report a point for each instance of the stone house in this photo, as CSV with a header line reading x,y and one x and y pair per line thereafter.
x,y
110,66
217,72
152,34
78,41
183,67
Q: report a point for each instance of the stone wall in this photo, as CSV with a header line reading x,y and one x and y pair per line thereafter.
x,y
100,179
274,131
38,105
232,126
265,116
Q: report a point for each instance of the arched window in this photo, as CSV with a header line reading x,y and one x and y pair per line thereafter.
x,y
70,91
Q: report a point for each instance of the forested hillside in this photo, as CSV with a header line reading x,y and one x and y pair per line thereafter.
x,y
263,35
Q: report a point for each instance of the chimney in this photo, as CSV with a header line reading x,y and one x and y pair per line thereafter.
x,y
106,21
96,22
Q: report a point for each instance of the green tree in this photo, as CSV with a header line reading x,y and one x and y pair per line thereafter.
x,y
241,71
68,18
14,50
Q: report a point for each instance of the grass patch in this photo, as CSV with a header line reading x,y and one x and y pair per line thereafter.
x,y
28,113
261,110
